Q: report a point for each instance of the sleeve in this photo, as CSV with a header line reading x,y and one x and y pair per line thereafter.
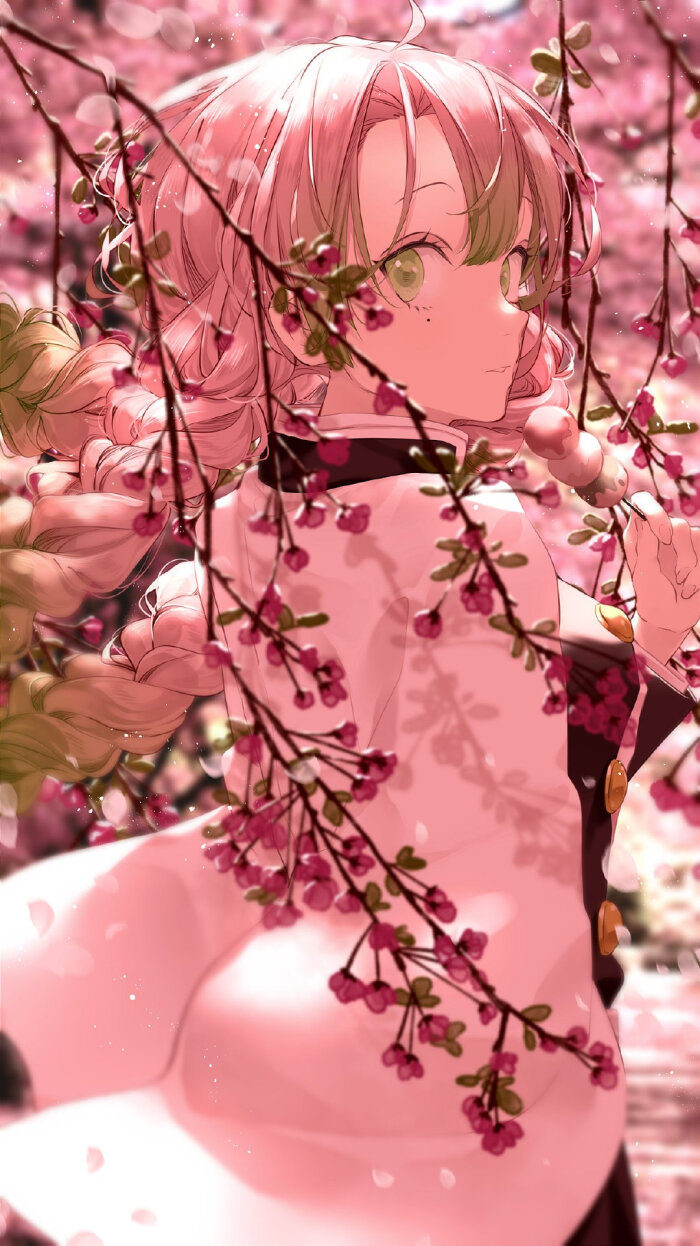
x,y
654,706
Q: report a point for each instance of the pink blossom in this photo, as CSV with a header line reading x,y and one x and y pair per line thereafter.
x,y
347,734
555,703
427,624
334,449
362,788
122,376
383,937
216,654
433,1026
379,996
353,517
148,525
87,212
487,1012
304,699
280,915
250,746
133,480
604,544
91,629
318,895
437,903
249,635
325,258
317,483
387,396
295,558
616,434
673,464
503,1061
101,833
674,365
364,294
473,942
548,495
377,317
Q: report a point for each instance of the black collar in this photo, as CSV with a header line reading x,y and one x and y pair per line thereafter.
x,y
370,459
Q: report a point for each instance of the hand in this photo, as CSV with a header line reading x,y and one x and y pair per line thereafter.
x,y
664,561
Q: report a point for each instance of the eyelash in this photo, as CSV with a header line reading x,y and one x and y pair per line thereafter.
x,y
423,242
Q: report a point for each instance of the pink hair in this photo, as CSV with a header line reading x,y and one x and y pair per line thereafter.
x,y
279,134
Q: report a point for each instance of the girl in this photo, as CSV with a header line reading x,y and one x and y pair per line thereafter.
x,y
191,1071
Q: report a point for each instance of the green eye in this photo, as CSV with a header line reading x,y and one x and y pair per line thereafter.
x,y
405,273
505,277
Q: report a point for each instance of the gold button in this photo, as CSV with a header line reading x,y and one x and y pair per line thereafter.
x,y
615,621
615,786
609,916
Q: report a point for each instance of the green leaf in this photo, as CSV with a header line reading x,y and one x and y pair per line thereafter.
x,y
468,1079
600,413
311,620
215,831
579,36
103,141
502,623
529,1038
511,560
158,246
222,797
537,1012
681,427
332,812
455,1028
580,536
655,424
285,619
322,240
517,647
691,108
581,78
373,896
545,62
452,1048
430,1001
79,191
433,491
315,341
348,277
297,249
508,1101
402,996
608,586
447,571
334,356
546,84
239,727
596,522
419,458
123,273
422,987
544,627
391,886
406,859
262,787
404,936
448,542
280,300
448,457
169,289
229,616
530,659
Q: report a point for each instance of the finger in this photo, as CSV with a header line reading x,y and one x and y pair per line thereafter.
x,y
629,539
657,519
691,586
686,554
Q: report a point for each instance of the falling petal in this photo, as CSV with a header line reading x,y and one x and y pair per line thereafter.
x,y
69,960
41,916
144,1217
95,1159
383,1180
447,1178
132,20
